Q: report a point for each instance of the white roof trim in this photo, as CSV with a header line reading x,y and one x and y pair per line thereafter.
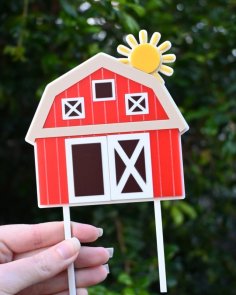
x,y
106,128
103,60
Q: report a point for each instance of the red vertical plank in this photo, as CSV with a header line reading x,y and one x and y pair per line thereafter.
x,y
122,89
54,118
63,171
177,162
98,106
72,91
41,172
86,92
50,121
111,107
52,171
111,112
155,160
166,163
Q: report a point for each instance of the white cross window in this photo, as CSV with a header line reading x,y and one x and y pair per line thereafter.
x,y
73,108
136,103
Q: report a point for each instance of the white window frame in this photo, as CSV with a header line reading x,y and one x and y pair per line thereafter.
x,y
94,82
128,96
116,192
70,175
65,101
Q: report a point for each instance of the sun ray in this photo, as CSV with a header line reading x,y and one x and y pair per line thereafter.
x,y
124,50
130,39
168,58
147,56
124,60
166,70
143,37
164,46
155,38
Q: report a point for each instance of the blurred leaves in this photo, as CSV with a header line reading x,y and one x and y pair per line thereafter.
x,y
69,8
17,53
41,40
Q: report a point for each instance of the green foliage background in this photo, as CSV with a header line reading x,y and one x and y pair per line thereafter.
x,y
40,40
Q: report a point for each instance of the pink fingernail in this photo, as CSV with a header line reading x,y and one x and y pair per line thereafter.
x,y
110,251
106,266
100,232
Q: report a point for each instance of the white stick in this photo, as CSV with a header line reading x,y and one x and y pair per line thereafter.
x,y
160,246
71,269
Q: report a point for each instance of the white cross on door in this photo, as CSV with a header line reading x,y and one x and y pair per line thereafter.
x,y
130,166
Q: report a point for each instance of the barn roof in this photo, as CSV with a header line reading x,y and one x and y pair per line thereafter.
x,y
36,130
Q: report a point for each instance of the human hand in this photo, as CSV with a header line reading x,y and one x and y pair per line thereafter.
x,y
34,258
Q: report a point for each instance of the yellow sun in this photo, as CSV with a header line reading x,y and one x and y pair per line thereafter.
x,y
147,57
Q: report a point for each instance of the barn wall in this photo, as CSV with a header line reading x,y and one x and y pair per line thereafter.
x,y
167,170
167,167
104,111
51,173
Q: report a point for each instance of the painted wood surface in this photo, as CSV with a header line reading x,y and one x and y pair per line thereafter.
x,y
104,112
166,158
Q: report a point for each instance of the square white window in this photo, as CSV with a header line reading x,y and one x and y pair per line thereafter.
x,y
73,108
103,90
136,103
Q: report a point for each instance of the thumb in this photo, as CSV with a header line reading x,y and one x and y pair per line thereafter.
x,y
20,274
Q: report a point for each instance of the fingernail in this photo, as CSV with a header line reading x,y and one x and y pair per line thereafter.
x,y
100,232
68,248
110,251
106,266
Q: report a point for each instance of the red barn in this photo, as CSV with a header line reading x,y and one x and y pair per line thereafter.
x,y
106,132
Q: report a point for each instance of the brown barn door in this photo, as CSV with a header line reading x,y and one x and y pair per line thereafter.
x,y
130,166
87,168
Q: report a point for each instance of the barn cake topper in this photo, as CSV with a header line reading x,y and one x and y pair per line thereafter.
x,y
109,132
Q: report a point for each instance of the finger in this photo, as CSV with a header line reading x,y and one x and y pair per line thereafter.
x,y
91,276
93,256
78,292
20,274
88,256
24,237
6,254
84,278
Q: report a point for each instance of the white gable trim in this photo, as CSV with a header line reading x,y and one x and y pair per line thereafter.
x,y
106,128
84,70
